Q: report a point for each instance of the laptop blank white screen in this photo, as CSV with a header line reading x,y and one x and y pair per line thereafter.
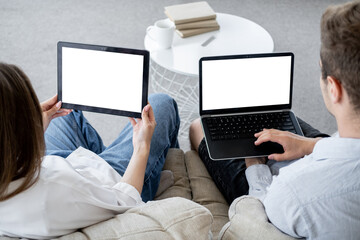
x,y
102,79
246,82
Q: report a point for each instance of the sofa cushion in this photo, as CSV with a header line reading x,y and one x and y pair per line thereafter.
x,y
205,192
175,162
172,218
166,181
248,220
74,236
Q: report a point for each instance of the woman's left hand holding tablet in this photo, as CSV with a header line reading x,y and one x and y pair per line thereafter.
x,y
51,109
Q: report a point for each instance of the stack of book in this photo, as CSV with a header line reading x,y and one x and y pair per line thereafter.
x,y
192,18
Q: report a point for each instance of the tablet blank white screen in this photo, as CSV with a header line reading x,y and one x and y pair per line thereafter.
x,y
102,79
246,82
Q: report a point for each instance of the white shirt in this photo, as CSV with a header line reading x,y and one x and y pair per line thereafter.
x,y
316,197
71,193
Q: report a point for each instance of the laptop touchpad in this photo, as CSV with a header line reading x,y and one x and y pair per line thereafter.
x,y
269,148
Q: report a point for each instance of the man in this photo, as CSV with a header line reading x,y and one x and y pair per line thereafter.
x,y
317,196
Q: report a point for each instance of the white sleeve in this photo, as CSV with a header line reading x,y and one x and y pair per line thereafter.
x,y
126,194
284,210
259,179
280,204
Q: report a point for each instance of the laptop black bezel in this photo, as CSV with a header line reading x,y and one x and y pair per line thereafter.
x,y
145,78
245,109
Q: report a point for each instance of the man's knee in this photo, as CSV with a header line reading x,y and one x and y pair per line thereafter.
x,y
195,134
195,127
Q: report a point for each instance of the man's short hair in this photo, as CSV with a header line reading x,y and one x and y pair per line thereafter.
x,y
340,47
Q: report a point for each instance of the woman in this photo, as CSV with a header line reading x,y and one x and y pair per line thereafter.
x,y
79,181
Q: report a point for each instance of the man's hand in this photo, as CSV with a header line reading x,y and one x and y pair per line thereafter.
x,y
51,109
253,161
295,146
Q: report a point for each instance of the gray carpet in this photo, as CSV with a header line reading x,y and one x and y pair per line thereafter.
x,y
29,31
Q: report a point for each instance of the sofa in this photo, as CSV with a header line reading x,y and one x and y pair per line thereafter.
x,y
189,207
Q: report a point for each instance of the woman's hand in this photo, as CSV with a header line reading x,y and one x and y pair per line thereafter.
x,y
51,109
295,146
143,129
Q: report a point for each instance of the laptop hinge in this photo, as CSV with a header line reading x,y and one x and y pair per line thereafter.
x,y
245,113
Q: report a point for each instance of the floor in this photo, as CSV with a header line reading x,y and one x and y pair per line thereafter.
x,y
29,31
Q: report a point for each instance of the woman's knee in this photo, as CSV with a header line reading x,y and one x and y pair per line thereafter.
x,y
161,99
164,106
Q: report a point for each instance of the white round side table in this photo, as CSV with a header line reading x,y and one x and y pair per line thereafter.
x,y
175,70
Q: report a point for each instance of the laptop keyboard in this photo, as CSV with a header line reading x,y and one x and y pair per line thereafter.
x,y
245,126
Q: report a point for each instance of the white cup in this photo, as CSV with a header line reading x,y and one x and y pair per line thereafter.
x,y
162,32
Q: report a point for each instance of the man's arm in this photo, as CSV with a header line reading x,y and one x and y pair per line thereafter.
x,y
283,209
258,174
295,146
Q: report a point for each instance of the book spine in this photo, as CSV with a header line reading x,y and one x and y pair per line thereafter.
x,y
181,21
192,26
192,32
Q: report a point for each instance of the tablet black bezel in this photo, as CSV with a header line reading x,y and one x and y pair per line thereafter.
x,y
145,84
245,109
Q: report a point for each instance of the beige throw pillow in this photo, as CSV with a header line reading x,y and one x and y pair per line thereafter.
x,y
248,220
172,218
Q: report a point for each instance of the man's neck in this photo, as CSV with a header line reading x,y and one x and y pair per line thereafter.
x,y
349,125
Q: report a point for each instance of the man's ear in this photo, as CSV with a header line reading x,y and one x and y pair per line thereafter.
x,y
335,89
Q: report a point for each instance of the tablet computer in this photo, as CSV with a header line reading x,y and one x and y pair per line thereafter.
x,y
102,79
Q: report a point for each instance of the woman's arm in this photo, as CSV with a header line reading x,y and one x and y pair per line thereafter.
x,y
143,130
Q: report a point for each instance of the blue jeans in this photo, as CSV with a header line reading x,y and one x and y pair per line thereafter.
x,y
66,134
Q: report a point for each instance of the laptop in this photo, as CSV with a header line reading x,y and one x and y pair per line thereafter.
x,y
239,96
